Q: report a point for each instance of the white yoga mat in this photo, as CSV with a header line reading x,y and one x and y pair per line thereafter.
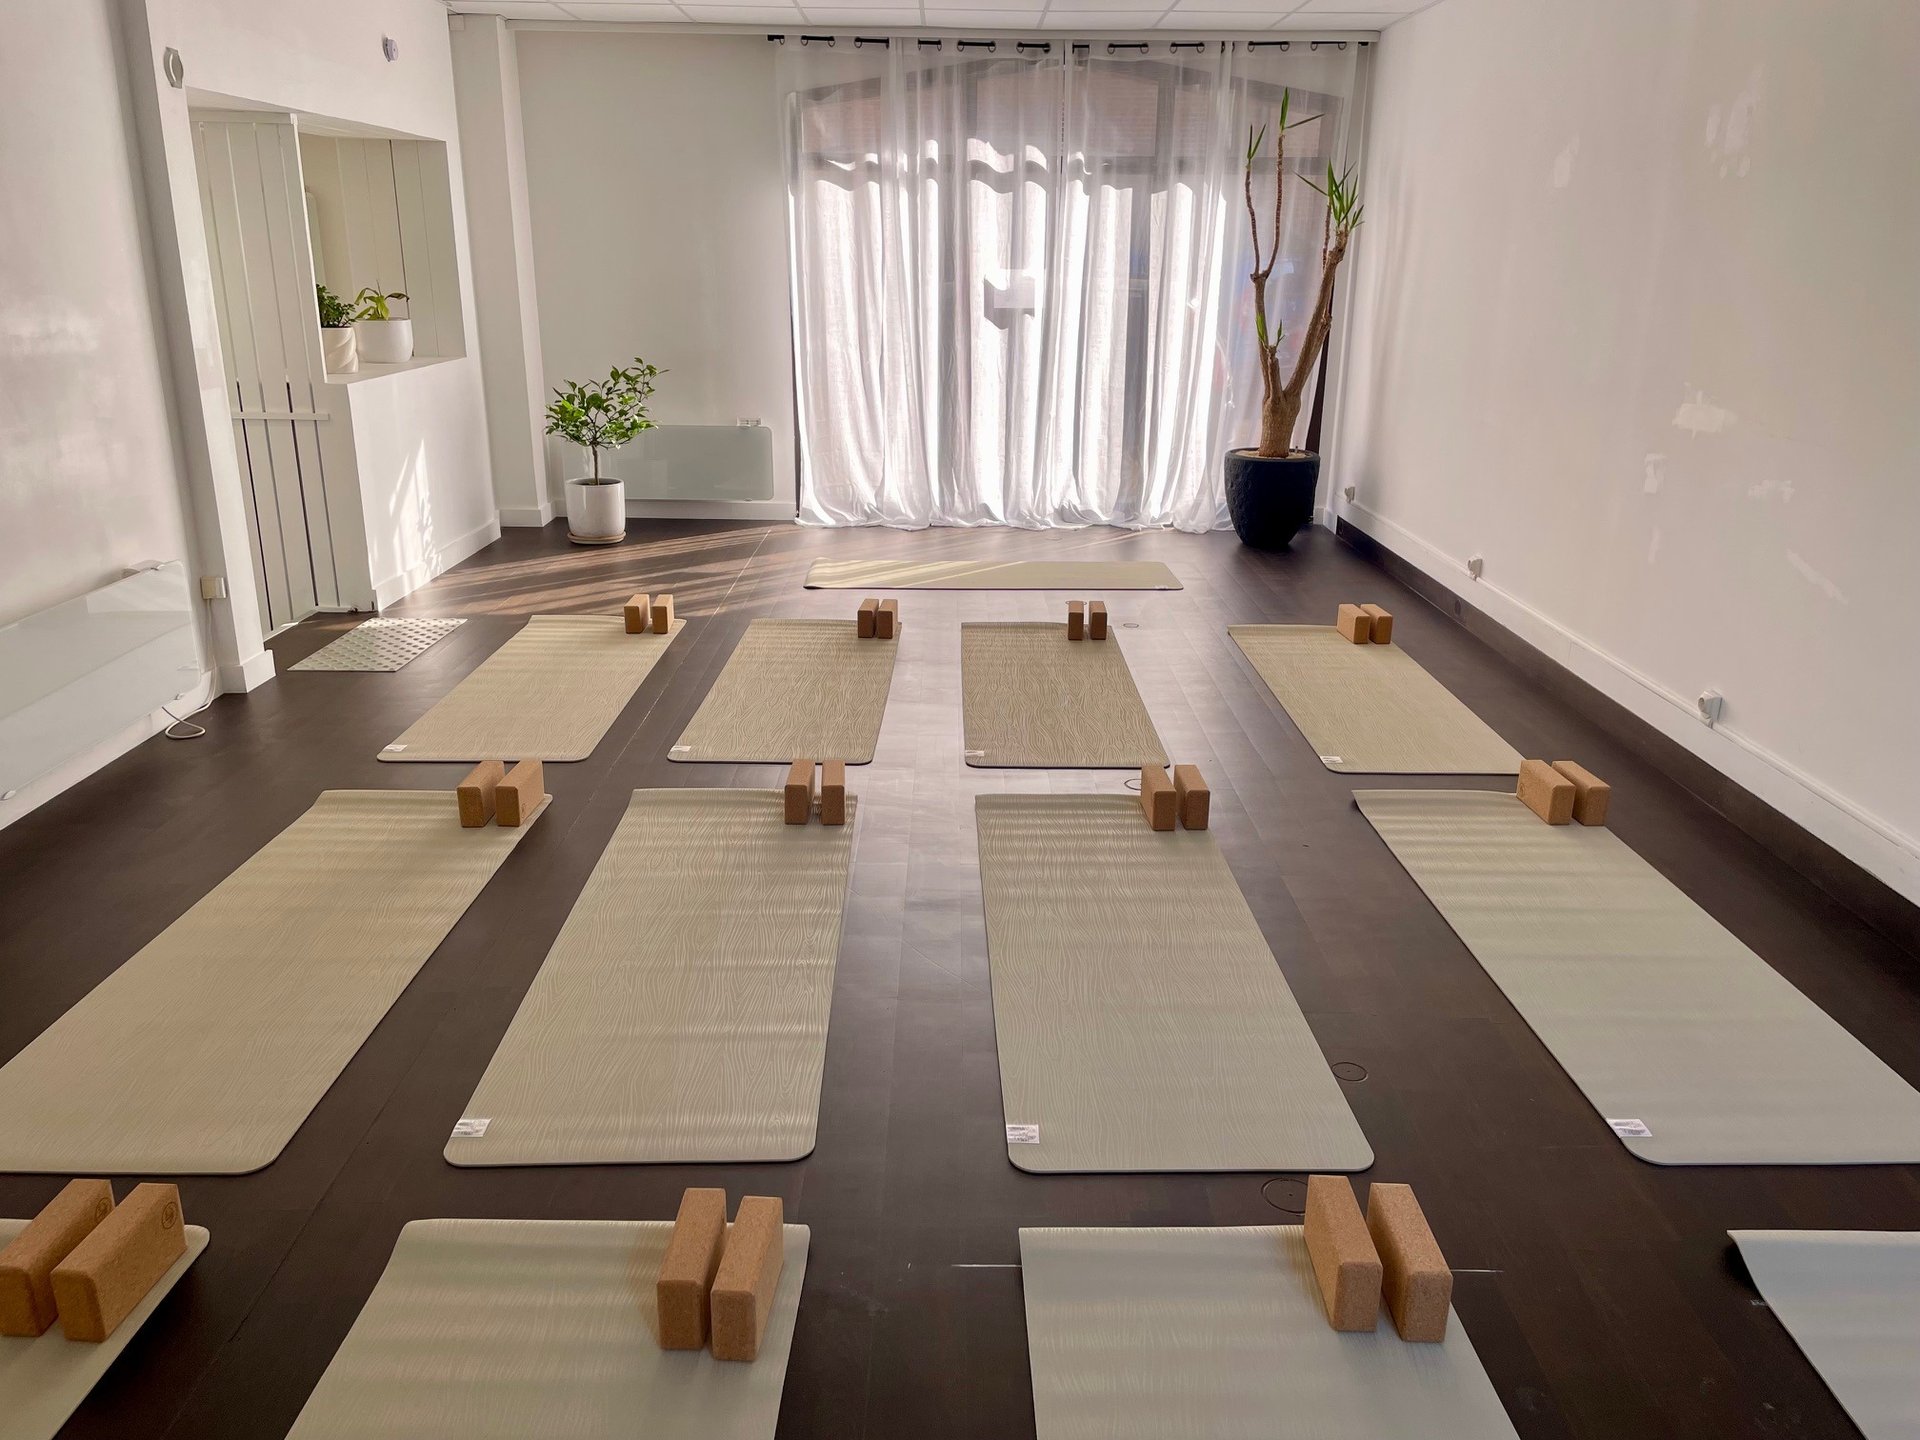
x,y
1370,709
1219,1334
1851,1301
515,1329
1141,1020
1692,1047
44,1379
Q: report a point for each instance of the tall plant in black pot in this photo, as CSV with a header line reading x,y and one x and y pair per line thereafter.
x,y
1270,488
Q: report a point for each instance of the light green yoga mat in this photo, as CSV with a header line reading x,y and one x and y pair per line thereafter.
x,y
1084,576
1032,698
1692,1047
794,690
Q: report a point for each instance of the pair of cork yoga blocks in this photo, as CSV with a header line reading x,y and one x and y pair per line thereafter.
x,y
1391,1251
649,614
509,797
87,1262
1086,619
716,1283
1365,624
808,791
877,619
1182,801
1563,792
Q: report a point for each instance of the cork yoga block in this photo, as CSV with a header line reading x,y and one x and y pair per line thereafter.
x,y
749,1274
122,1258
519,793
833,792
1379,624
1190,794
26,1264
1157,797
662,615
1097,620
1345,1264
478,791
866,619
1354,624
687,1269
1076,620
799,792
886,621
638,612
1591,794
1545,791
1414,1276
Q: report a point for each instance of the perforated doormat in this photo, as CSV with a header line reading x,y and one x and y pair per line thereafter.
x,y
379,644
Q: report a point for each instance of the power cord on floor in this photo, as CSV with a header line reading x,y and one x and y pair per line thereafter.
x,y
191,732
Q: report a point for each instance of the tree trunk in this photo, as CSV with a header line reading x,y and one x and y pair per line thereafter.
x,y
1277,420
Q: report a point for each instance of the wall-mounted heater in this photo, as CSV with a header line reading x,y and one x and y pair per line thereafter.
x,y
700,462
76,675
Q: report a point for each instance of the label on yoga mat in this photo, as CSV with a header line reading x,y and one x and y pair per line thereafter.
x,y
1331,760
1631,1129
1023,1134
471,1128
680,750
395,747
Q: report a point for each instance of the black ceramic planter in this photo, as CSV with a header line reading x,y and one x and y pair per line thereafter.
x,y
1270,500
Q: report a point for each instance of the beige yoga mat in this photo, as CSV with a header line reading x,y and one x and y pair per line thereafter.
x,y
204,1053
1203,1334
1693,1048
1031,698
681,1015
794,689
1851,1301
1370,709
1141,1020
549,693
1086,576
43,1380
510,1329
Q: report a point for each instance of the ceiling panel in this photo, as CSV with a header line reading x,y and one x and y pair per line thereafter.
x,y
621,10
745,14
863,16
1371,7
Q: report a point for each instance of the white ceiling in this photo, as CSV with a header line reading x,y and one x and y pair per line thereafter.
x,y
1097,16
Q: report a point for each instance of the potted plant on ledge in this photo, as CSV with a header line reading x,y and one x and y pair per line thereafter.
x,y
601,415
337,350
383,339
1270,489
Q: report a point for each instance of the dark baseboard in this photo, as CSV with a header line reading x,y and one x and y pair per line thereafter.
x,y
1869,897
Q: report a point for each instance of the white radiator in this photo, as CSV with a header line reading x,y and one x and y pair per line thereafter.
x,y
700,462
77,675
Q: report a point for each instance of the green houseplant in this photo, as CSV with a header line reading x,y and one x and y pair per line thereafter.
x,y
338,351
601,415
1270,488
384,340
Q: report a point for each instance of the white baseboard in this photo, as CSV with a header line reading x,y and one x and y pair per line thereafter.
x,y
527,517
396,587
710,509
1863,837
250,674
65,776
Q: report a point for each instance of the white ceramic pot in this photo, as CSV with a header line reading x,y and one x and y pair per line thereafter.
x,y
385,342
338,350
596,514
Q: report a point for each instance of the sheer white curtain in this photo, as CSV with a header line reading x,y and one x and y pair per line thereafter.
x,y
1019,278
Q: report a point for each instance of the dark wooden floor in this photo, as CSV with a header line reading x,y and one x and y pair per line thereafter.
x,y
1598,1290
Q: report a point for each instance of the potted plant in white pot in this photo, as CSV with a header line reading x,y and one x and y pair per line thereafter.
x,y
601,415
384,340
1270,489
337,349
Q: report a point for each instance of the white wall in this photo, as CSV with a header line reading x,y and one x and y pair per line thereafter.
x,y
659,222
1636,318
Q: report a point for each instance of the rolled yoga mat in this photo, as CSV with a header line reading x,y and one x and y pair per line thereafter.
x,y
1693,1048
794,689
44,1379
518,1328
1032,698
550,693
1370,709
204,1053
1196,1334
1851,1301
1141,1020
681,1015
1085,576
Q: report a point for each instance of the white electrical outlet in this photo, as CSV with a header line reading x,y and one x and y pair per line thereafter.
x,y
1351,491
213,587
1710,704
1476,565
746,422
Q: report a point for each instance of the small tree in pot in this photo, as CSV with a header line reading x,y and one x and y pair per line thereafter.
x,y
1270,489
601,415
